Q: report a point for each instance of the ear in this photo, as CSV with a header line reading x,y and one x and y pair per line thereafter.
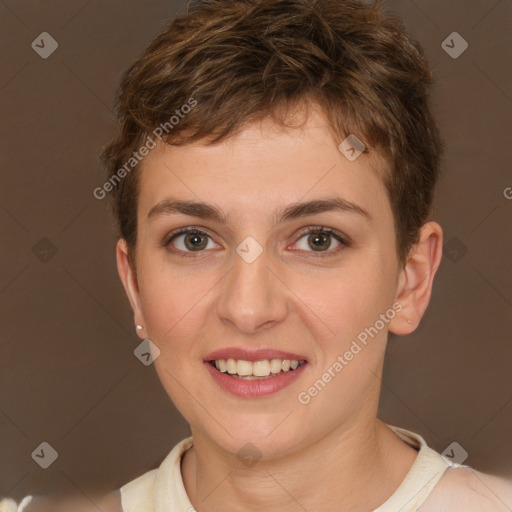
x,y
131,287
416,279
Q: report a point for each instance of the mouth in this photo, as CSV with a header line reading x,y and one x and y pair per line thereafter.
x,y
256,370
254,373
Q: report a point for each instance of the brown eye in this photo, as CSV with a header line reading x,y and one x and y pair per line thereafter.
x,y
195,241
320,240
189,240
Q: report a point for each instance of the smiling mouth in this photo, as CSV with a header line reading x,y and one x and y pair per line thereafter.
x,y
257,370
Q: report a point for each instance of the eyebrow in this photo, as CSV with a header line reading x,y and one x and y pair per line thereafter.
x,y
293,211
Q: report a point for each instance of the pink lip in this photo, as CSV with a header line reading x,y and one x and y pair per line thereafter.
x,y
252,355
254,388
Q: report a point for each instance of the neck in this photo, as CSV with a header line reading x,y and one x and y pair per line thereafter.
x,y
356,467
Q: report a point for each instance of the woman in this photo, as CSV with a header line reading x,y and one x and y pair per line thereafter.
x,y
272,180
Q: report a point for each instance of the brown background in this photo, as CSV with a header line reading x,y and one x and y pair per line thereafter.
x,y
67,370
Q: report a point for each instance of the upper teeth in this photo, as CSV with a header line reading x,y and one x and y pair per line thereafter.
x,y
261,368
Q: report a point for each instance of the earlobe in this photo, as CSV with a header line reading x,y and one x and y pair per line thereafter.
x,y
130,284
416,279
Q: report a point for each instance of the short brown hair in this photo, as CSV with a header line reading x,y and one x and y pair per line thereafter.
x,y
246,60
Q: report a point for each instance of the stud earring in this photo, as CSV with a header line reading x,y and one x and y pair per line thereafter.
x,y
139,327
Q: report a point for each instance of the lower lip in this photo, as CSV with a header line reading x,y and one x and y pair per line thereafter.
x,y
254,388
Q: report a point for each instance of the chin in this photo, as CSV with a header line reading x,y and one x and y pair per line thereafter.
x,y
264,438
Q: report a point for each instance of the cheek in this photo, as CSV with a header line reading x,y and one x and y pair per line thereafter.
x,y
347,301
352,348
174,304
172,299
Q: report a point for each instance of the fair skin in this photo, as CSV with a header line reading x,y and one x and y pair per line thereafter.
x,y
331,454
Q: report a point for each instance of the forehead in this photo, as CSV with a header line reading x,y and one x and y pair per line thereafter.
x,y
264,165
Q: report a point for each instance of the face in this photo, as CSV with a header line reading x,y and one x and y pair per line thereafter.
x,y
266,279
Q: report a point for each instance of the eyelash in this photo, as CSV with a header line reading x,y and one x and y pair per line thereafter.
x,y
344,241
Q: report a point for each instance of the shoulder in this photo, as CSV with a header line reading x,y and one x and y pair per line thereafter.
x,y
145,492
138,494
106,503
9,505
462,489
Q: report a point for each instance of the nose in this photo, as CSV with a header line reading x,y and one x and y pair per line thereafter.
x,y
252,297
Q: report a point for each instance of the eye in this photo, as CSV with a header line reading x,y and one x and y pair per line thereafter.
x,y
189,239
319,240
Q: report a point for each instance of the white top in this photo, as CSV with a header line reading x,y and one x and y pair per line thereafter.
x,y
433,483
8,505
162,489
